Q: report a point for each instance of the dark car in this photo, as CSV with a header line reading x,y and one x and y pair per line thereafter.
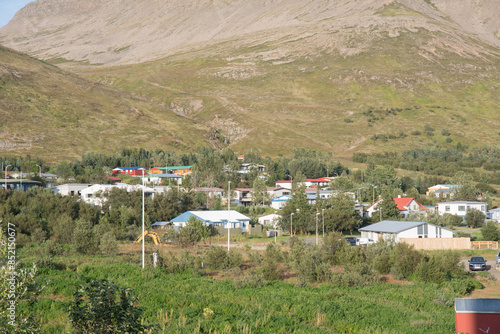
x,y
477,263
351,240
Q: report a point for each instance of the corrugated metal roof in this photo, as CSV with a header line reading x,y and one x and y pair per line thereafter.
x,y
391,226
212,216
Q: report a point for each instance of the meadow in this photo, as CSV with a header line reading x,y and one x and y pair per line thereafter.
x,y
179,297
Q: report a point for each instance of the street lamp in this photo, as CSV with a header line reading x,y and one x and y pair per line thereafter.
x,y
323,211
40,173
6,175
380,213
143,236
291,224
228,213
317,214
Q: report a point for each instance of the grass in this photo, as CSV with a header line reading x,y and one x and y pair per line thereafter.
x,y
176,303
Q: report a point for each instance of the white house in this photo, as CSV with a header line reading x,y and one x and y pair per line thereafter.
x,y
277,192
70,189
405,205
494,214
156,179
224,218
272,219
96,194
442,190
395,230
459,208
279,202
211,192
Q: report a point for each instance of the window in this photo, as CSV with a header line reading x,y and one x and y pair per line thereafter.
x,y
447,208
461,208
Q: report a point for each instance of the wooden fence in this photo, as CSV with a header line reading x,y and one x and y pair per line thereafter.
x,y
484,244
438,243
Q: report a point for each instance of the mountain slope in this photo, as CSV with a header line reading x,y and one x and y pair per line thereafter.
x,y
342,76
55,114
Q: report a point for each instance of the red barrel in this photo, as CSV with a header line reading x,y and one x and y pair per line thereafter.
x,y
477,315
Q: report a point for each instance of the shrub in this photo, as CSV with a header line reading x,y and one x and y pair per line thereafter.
x,y
109,309
382,263
108,244
188,235
218,258
84,239
462,286
38,235
404,260
490,231
332,243
252,279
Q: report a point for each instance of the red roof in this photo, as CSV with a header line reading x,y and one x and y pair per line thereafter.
x,y
321,179
283,181
116,179
403,202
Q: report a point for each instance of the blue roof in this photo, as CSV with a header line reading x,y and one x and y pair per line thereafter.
x,y
129,168
282,198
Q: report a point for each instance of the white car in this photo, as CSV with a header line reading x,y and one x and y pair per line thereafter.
x,y
364,241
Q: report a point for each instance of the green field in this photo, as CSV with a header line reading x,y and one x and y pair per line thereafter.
x,y
178,302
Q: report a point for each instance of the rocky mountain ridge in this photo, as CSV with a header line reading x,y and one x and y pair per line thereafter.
x,y
127,31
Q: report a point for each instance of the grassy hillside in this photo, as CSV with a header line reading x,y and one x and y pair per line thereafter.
x,y
55,114
368,102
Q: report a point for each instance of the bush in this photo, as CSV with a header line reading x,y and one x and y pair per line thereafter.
x,y
84,239
490,231
252,279
109,309
188,235
404,260
463,286
108,244
218,258
382,263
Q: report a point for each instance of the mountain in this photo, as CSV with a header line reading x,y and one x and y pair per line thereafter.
x,y
343,76
55,114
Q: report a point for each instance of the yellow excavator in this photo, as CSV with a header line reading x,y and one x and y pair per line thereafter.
x,y
153,235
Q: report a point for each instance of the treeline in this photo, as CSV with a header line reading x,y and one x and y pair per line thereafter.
x,y
442,162
211,168
40,215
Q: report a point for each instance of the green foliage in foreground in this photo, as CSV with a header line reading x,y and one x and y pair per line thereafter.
x,y
188,302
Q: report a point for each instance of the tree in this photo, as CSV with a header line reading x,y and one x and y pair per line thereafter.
x,y
389,209
490,231
109,309
385,175
474,218
260,196
466,190
199,226
341,215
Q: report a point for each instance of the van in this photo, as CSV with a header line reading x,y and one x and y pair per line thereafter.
x,y
364,241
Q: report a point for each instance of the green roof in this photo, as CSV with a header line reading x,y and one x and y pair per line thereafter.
x,y
175,167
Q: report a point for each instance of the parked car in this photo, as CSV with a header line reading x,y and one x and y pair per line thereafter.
x,y
364,241
498,259
477,263
351,240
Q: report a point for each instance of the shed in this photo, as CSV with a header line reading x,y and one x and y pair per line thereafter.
x,y
477,315
390,229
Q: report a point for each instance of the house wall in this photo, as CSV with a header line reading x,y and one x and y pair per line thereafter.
x,y
459,209
436,244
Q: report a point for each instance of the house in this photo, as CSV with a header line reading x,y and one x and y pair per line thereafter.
x,y
223,218
243,196
247,168
405,205
277,192
279,202
494,214
70,189
177,170
96,194
157,179
272,219
132,171
459,208
211,192
442,190
309,183
114,179
20,184
395,230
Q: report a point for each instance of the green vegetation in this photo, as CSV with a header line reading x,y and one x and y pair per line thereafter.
x,y
178,297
